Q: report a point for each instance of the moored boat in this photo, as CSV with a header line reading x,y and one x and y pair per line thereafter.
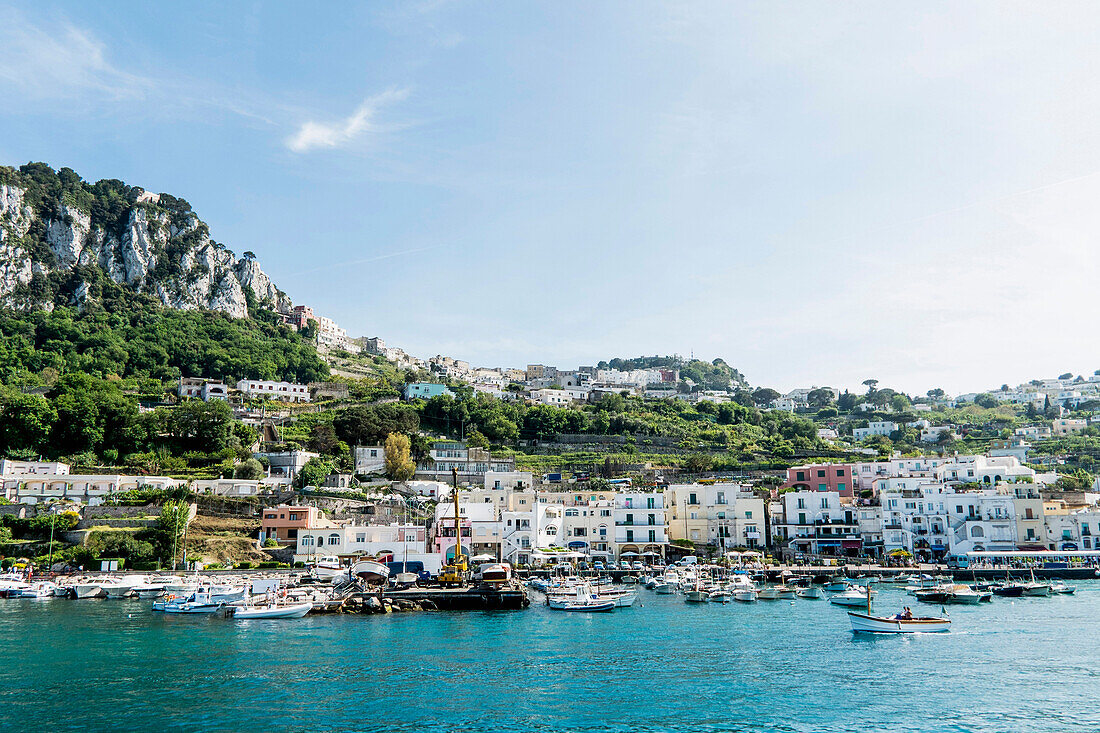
x,y
857,595
370,571
198,602
271,611
811,593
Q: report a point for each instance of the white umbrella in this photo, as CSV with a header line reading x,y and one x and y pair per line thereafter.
x,y
629,554
482,558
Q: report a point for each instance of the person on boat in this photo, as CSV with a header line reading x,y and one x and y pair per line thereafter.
x,y
908,615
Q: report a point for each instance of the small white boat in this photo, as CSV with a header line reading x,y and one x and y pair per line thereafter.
x,y
865,623
784,592
94,587
720,596
325,568
768,593
697,595
854,596
1059,587
837,586
813,592
490,572
664,588
1036,589
583,600
293,610
745,595
12,585
40,590
198,602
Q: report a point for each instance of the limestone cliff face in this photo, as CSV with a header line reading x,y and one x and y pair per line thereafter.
x,y
59,235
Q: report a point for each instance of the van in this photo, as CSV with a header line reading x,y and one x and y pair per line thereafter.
x,y
688,560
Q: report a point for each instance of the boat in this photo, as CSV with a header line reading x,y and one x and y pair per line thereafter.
x,y
837,586
271,610
370,571
784,592
857,595
768,593
1036,589
812,593
93,587
720,595
490,572
1008,590
198,602
326,568
39,590
583,600
1059,587
745,595
697,595
955,593
663,587
12,585
866,623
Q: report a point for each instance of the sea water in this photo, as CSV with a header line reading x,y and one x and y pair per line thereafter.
x,y
1027,664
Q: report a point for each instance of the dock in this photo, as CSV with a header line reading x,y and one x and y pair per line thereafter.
x,y
473,598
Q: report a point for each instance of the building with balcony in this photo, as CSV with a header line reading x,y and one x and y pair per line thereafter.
x,y
640,524
724,515
820,477
817,523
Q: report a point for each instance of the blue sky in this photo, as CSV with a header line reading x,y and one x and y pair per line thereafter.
x,y
816,192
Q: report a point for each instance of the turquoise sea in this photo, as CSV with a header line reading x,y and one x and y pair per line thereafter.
x,y
664,665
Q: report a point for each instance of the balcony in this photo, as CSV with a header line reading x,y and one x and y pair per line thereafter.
x,y
891,526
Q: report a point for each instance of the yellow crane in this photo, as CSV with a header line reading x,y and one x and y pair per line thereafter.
x,y
454,573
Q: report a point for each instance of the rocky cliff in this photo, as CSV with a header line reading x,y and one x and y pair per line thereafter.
x,y
62,240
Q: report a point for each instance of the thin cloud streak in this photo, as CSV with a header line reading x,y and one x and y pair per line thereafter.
x,y
312,135
377,258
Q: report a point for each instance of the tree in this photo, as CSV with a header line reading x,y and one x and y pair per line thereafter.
x,y
936,394
870,384
1067,375
697,463
250,470
820,397
900,403
173,519
323,440
765,396
985,400
370,424
847,401
399,465
313,473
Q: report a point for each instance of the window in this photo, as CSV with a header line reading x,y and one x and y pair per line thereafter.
x,y
334,539
360,537
821,474
652,535
823,487
802,517
801,503
840,486
551,530
692,499
839,472
800,476
630,535
653,519
748,515
825,503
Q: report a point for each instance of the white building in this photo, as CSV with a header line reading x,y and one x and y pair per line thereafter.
x,y
876,427
370,459
202,389
508,480
93,490
284,391
349,540
816,522
724,515
640,524
9,467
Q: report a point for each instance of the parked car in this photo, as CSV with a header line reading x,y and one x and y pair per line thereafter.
x,y
598,566
637,565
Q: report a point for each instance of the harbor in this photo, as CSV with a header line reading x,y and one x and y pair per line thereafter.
x,y
663,664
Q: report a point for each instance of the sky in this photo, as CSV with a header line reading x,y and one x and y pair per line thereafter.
x,y
818,193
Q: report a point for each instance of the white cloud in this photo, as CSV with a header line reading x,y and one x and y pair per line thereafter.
x,y
64,61
312,135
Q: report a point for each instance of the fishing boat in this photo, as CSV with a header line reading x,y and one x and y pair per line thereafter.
x,y
1059,587
768,593
857,595
1008,590
697,594
784,592
198,602
811,593
271,610
745,595
866,623
370,571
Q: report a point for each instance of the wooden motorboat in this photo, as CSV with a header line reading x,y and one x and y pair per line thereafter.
x,y
811,593
866,623
371,571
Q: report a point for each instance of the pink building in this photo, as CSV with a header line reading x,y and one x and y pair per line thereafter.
x,y
820,477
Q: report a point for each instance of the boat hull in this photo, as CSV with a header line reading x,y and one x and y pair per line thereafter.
x,y
865,624
297,610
